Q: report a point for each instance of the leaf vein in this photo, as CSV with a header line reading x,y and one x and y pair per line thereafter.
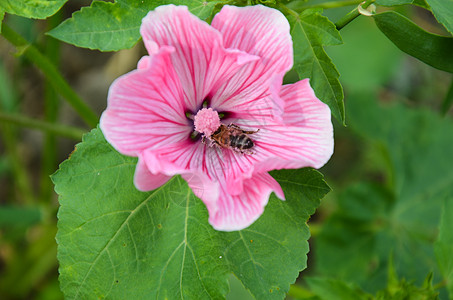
x,y
113,238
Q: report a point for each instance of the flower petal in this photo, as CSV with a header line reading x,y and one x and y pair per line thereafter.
x,y
204,188
219,165
223,166
304,139
260,31
187,160
144,108
144,62
200,60
257,30
256,107
239,211
234,196
144,180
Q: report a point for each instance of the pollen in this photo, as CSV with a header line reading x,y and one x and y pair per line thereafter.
x,y
206,121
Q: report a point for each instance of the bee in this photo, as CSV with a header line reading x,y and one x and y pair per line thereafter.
x,y
233,137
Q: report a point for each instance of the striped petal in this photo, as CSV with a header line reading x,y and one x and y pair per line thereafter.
x,y
260,31
144,109
200,59
303,139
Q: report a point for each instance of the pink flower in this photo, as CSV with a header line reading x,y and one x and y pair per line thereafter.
x,y
198,77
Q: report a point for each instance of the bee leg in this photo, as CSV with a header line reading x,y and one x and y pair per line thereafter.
x,y
248,152
250,132
242,130
231,125
207,141
211,143
244,151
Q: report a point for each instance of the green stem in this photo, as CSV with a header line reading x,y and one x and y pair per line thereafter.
x,y
287,11
448,101
333,4
49,153
351,15
51,73
67,131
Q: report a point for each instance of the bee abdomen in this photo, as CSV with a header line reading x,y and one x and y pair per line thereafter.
x,y
241,142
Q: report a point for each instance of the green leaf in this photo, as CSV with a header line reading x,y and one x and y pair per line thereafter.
x,y
237,290
444,244
358,72
374,221
36,9
393,2
421,3
443,11
118,243
2,15
109,26
332,289
402,289
104,26
432,49
310,32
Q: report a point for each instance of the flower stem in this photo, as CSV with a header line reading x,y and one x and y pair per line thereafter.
x,y
448,102
287,11
326,5
351,15
59,129
51,73
51,107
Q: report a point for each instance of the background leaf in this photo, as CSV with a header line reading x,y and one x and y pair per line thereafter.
x,y
373,221
443,11
444,244
448,101
393,2
358,72
397,289
109,26
36,9
2,15
116,242
331,289
432,49
11,216
310,32
421,3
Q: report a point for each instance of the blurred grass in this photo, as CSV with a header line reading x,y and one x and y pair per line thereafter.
x,y
28,265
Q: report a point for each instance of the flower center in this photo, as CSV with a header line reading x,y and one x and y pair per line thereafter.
x,y
206,121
